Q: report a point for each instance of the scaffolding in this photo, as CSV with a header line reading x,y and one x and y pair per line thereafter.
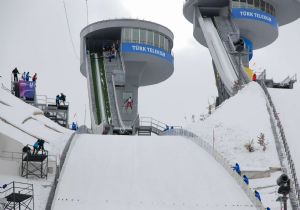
x,y
35,164
18,196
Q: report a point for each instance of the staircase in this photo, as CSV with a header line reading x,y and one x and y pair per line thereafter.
x,y
114,70
230,34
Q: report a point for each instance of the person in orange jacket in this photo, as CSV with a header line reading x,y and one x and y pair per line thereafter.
x,y
254,77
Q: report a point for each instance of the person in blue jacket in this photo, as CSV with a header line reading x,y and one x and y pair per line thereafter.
x,y
237,168
268,208
74,126
257,195
27,76
246,180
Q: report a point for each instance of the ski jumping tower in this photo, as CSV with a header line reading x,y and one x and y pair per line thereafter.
x,y
232,29
117,57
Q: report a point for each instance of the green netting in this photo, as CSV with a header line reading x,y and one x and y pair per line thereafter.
x,y
105,89
93,66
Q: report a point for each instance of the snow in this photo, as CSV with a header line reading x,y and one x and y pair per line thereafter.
x,y
22,124
25,123
134,172
237,121
286,102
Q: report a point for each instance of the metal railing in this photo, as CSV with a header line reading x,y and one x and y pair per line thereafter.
x,y
220,159
149,121
283,145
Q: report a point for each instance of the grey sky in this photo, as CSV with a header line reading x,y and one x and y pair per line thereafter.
x,y
34,37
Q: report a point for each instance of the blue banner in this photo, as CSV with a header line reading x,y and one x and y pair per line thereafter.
x,y
254,14
147,49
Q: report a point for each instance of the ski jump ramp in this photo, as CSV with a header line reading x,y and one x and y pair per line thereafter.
x,y
133,172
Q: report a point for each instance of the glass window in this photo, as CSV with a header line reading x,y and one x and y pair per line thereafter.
x,y
256,3
262,6
143,37
250,2
135,35
150,37
127,34
161,41
268,8
166,47
156,39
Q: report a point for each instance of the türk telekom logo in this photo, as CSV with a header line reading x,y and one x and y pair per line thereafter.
x,y
254,14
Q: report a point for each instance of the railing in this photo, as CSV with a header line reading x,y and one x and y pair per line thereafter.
x,y
149,121
282,142
58,169
220,159
14,188
8,155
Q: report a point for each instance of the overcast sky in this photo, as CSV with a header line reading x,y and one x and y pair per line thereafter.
x,y
34,37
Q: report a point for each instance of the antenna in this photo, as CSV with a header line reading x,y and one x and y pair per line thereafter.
x,y
87,12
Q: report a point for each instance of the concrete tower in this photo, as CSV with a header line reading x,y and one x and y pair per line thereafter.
x,y
232,29
117,57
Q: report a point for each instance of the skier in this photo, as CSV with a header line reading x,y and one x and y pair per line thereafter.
x,y
246,180
34,78
237,168
257,195
128,103
15,72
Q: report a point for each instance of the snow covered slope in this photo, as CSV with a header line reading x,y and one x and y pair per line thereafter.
x,y
238,121
287,102
133,172
22,124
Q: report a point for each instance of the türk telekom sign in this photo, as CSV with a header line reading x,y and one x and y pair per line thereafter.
x,y
147,49
254,14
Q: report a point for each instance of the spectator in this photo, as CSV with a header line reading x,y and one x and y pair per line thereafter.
x,y
15,72
27,150
57,100
74,126
38,145
63,98
254,77
34,78
246,180
167,128
172,127
268,208
257,195
24,76
27,76
237,169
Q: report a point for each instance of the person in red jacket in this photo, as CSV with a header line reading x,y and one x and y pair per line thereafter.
x,y
254,77
34,78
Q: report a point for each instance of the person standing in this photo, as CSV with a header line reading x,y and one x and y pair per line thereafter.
x,y
15,72
27,76
57,100
63,98
257,195
254,77
34,78
246,180
237,169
